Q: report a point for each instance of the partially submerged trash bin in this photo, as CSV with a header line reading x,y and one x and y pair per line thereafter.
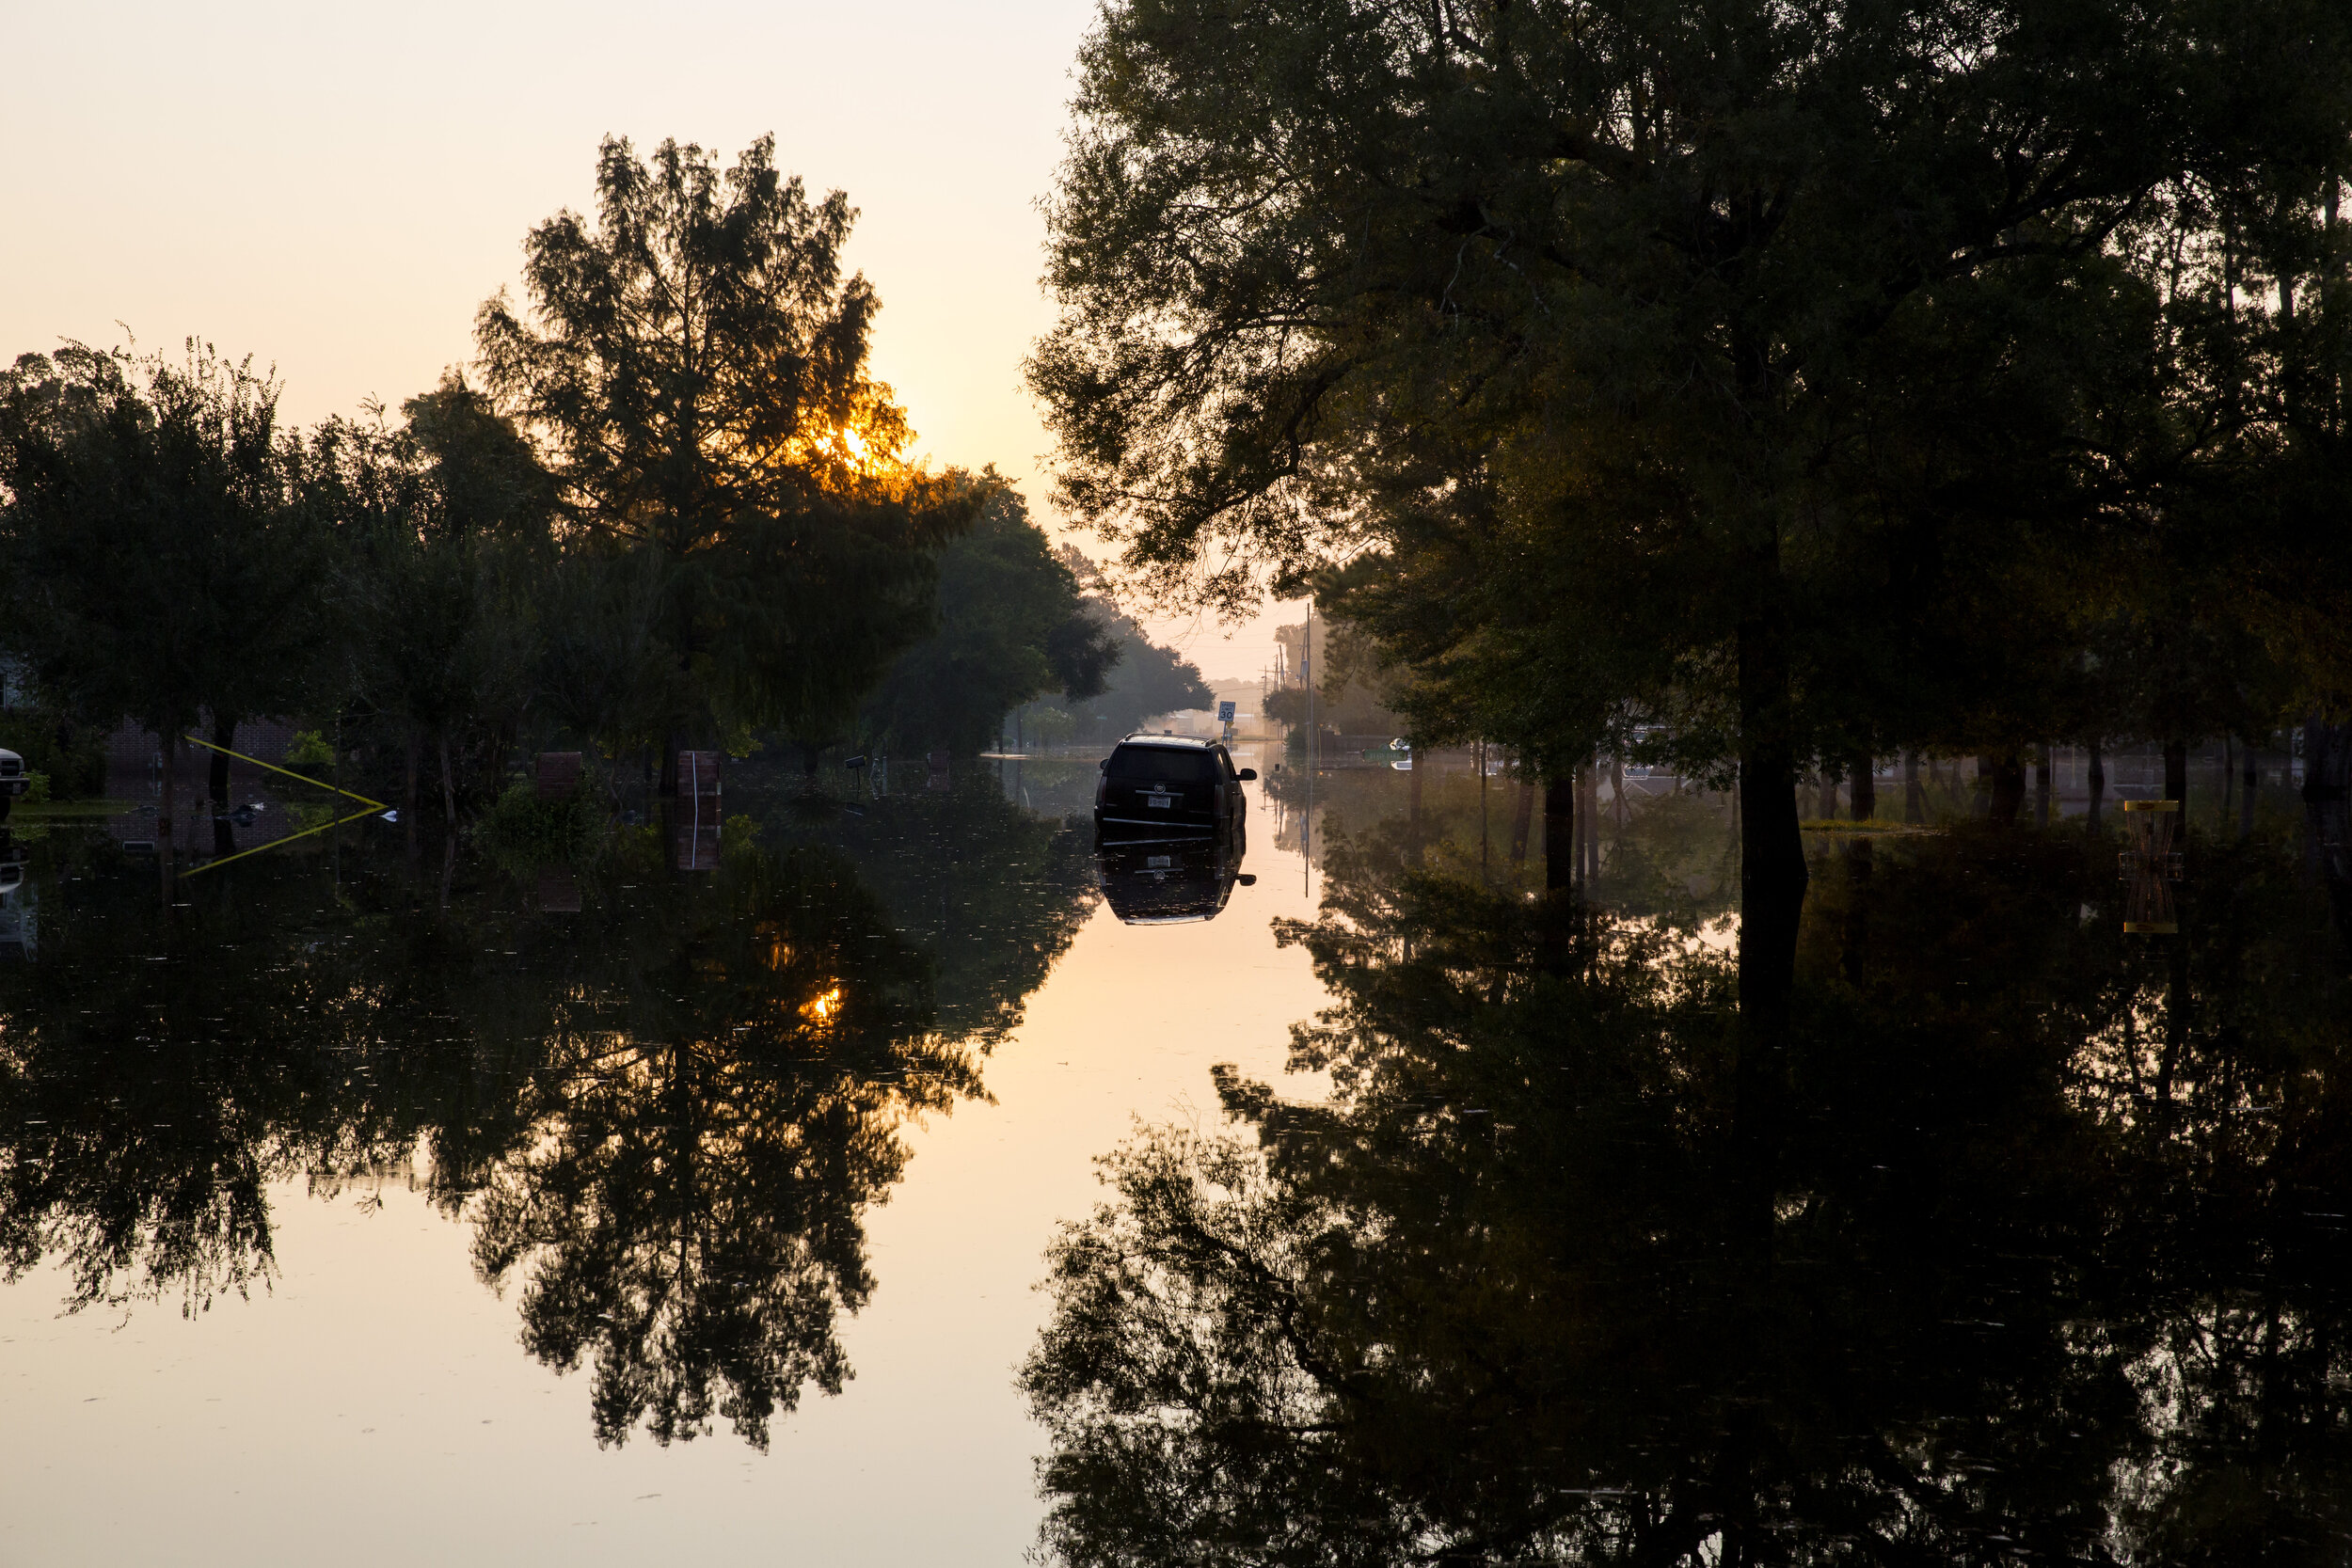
x,y
697,845
697,775
2149,865
697,821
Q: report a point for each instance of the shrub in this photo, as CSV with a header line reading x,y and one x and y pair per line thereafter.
x,y
72,756
522,830
309,749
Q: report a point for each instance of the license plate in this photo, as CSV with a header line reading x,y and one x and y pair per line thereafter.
x,y
1159,802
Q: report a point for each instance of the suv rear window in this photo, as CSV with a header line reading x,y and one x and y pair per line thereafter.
x,y
1161,764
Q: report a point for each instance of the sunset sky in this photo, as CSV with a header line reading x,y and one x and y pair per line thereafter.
x,y
336,189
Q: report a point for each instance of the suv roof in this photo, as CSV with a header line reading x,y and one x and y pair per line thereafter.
x,y
1197,742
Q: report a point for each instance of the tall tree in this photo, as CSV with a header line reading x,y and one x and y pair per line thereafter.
x,y
696,365
443,528
158,566
1630,333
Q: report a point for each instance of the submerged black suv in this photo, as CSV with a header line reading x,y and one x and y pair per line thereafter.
x,y
1169,787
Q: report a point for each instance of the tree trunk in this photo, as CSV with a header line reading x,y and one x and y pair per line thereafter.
x,y
1588,818
448,788
2327,826
1862,793
1826,808
224,734
1412,817
1915,798
1772,902
1559,833
500,746
2006,798
670,749
216,781
414,758
2098,781
2042,787
2326,759
2176,772
1616,789
1522,819
2251,777
163,850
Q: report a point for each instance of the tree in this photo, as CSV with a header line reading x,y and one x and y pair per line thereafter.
x,y
1493,1301
715,1118
1144,680
601,671
444,527
1148,680
1621,344
665,1123
696,366
1011,628
157,563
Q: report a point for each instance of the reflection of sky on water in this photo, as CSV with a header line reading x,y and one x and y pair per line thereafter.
x,y
372,1397
432,1160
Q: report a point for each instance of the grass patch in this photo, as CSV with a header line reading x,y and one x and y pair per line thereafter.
x,y
52,811
1876,826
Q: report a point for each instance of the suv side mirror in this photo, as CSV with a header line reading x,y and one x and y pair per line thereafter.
x,y
1103,766
1247,774
1248,878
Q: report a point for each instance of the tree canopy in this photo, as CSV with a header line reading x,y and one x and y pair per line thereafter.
x,y
695,367
2050,1269
1806,381
1011,628
157,561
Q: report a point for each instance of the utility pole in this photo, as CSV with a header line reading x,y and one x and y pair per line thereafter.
x,y
1307,823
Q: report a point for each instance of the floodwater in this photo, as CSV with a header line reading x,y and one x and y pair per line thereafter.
x,y
402,1207
350,1221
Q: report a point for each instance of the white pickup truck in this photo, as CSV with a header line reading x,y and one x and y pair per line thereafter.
x,y
13,781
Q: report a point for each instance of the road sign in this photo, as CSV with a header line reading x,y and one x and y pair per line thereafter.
x,y
1225,713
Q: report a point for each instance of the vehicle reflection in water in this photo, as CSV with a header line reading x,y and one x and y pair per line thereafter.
x,y
19,903
1167,882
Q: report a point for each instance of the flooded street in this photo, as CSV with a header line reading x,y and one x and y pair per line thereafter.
x,y
269,1153
617,1211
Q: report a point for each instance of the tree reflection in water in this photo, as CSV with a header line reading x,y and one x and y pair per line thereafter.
x,y
664,1116
709,1126
2053,1266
